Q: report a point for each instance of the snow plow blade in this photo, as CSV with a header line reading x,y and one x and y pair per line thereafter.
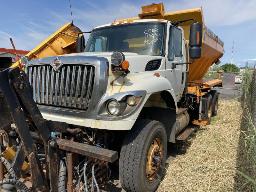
x,y
31,130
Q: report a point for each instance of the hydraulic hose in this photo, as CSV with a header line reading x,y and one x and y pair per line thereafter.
x,y
8,167
62,177
8,184
94,181
85,178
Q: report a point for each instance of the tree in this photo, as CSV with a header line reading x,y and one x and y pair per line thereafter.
x,y
230,68
216,67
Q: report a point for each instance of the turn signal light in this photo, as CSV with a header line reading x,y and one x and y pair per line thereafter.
x,y
118,62
152,10
125,65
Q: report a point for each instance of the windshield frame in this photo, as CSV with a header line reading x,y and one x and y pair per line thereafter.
x,y
163,39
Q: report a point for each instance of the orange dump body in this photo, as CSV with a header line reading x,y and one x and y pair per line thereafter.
x,y
212,48
63,41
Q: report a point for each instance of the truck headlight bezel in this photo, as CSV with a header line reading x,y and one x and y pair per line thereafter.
x,y
120,105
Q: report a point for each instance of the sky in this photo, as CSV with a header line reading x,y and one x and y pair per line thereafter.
x,y
28,22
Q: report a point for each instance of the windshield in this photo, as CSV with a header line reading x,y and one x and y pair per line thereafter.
x,y
141,38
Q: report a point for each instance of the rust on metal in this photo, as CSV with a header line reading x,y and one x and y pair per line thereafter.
x,y
70,172
195,90
157,74
53,165
38,181
154,158
199,88
212,83
200,122
88,150
185,134
1,163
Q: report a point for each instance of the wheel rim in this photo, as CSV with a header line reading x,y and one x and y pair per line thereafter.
x,y
154,159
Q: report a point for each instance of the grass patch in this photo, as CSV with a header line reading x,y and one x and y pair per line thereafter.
x,y
214,120
246,170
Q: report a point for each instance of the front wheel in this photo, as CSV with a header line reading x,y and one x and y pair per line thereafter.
x,y
143,156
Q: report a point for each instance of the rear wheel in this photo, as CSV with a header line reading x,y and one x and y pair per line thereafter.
x,y
208,108
215,103
143,156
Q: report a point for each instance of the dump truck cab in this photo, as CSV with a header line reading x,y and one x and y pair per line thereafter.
x,y
148,45
154,52
138,58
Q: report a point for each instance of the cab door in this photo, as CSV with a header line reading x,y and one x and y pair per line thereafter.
x,y
176,66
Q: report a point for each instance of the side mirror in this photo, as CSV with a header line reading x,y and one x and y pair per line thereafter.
x,y
195,40
80,43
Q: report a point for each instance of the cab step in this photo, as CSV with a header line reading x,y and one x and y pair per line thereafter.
x,y
184,135
181,110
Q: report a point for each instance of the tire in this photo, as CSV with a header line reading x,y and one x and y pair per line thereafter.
x,y
133,162
215,103
207,108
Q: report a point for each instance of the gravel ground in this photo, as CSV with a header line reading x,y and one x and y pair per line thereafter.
x,y
207,162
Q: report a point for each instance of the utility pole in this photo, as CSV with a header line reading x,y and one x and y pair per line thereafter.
x,y
232,53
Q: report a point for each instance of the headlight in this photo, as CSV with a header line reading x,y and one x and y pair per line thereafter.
x,y
131,100
115,108
120,105
117,58
118,62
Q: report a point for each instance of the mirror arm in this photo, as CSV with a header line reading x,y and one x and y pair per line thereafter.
x,y
184,63
84,32
182,21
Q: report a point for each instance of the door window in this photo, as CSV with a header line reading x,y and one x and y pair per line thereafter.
x,y
175,43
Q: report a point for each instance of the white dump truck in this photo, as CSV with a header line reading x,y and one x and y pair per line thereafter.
x,y
133,87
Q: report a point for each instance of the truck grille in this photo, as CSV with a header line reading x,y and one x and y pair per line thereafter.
x,y
71,86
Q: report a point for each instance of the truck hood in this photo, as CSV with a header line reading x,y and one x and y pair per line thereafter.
x,y
137,62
